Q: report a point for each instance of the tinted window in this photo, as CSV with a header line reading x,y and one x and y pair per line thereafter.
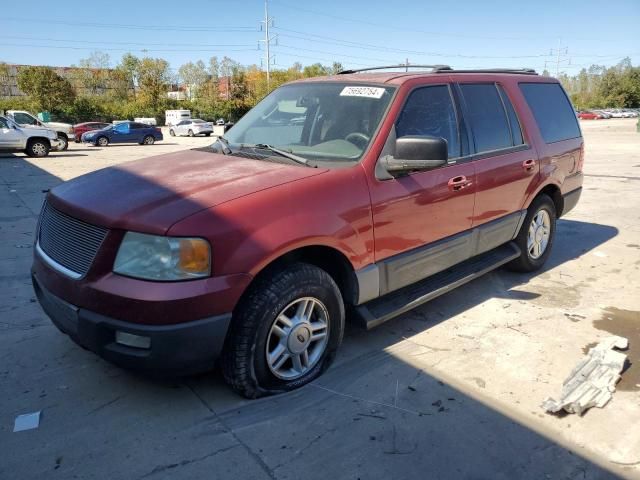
x,y
487,117
139,125
24,119
3,123
552,110
430,111
514,123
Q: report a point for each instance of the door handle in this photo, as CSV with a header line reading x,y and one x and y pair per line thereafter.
x,y
528,164
458,183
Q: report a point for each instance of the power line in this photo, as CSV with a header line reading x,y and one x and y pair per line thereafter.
x,y
128,49
130,43
163,28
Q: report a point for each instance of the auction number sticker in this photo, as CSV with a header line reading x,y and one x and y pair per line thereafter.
x,y
369,92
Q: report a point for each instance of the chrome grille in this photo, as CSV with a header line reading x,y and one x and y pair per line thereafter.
x,y
70,242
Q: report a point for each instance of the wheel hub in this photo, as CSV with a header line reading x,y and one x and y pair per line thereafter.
x,y
299,338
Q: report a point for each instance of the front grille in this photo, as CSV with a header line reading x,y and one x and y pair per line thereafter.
x,y
68,241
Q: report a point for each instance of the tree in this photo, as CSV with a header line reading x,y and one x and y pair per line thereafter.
x,y
336,68
214,68
92,74
130,65
154,77
48,90
315,70
193,75
5,80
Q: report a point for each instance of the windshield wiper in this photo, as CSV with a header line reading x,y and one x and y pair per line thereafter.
x,y
282,153
226,149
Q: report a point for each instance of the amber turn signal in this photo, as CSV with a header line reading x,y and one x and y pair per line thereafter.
x,y
195,256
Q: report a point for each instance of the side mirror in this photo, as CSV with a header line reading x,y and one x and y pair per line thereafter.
x,y
417,152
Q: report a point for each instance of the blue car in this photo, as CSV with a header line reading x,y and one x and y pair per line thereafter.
x,y
125,132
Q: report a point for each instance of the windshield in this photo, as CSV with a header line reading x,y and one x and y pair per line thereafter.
x,y
323,121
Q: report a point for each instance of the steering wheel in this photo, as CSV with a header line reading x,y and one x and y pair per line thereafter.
x,y
358,139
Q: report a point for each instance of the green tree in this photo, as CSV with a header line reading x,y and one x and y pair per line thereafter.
x,y
48,90
315,70
5,80
154,77
92,74
130,65
193,75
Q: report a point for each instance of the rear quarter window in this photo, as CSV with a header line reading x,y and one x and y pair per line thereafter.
x,y
552,111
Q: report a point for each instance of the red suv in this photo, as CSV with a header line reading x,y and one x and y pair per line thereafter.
x,y
368,193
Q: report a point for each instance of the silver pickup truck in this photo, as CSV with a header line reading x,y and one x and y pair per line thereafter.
x,y
34,141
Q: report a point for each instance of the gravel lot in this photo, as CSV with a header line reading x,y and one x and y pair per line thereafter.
x,y
450,390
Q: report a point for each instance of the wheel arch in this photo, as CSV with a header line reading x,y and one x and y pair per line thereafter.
x,y
552,191
30,140
330,259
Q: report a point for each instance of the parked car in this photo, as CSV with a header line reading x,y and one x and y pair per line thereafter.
x,y
366,193
603,113
34,141
589,115
64,131
123,132
81,128
191,127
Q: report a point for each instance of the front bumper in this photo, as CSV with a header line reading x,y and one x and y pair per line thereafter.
x,y
55,143
178,349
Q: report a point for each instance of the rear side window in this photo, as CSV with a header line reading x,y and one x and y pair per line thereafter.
x,y
487,116
552,110
430,111
514,123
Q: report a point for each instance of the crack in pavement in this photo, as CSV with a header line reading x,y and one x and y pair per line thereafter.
x,y
265,468
163,468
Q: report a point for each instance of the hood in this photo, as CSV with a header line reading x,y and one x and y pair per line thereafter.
x,y
59,126
34,130
152,194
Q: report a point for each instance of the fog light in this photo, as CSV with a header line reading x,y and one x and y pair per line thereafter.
x,y
131,340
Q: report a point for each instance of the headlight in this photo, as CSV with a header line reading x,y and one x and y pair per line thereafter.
x,y
154,257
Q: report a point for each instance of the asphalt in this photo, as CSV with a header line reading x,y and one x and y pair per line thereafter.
x,y
450,390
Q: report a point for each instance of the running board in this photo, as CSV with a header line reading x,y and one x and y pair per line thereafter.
x,y
375,312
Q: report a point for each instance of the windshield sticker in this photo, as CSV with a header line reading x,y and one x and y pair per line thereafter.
x,y
369,92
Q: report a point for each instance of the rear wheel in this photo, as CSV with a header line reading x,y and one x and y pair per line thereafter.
x,y
148,140
285,332
190,133
172,133
38,148
536,235
102,141
207,134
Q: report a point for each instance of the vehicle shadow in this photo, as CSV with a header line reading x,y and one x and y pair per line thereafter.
x,y
372,415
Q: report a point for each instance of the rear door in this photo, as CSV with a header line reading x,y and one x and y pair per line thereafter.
x,y
422,221
505,163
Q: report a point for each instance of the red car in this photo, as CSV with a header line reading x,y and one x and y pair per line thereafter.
x,y
586,115
368,193
81,128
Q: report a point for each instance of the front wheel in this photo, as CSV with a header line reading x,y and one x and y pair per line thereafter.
x,y
190,133
63,142
172,133
536,235
285,332
38,148
103,141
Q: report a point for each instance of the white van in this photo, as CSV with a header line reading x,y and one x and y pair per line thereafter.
x,y
172,117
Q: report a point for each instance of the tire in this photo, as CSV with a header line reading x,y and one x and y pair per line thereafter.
x,y
148,140
172,133
38,148
532,259
252,334
207,134
64,142
190,133
102,141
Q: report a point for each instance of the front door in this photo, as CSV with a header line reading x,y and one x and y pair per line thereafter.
x,y
422,221
10,137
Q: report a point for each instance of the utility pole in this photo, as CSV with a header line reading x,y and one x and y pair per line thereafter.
x,y
406,65
268,21
561,54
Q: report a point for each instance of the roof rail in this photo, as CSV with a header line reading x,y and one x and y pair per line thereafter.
x,y
401,65
521,71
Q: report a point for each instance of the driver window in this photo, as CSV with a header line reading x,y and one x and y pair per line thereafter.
x,y
430,111
123,128
23,119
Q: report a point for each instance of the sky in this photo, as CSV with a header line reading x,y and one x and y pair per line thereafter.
x,y
460,33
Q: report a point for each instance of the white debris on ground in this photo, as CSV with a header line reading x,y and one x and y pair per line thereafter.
x,y
27,421
592,382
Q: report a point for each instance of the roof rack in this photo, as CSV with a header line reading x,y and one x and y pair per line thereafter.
x,y
401,65
521,71
445,69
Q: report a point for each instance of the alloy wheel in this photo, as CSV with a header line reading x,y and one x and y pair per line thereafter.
x,y
539,234
297,339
